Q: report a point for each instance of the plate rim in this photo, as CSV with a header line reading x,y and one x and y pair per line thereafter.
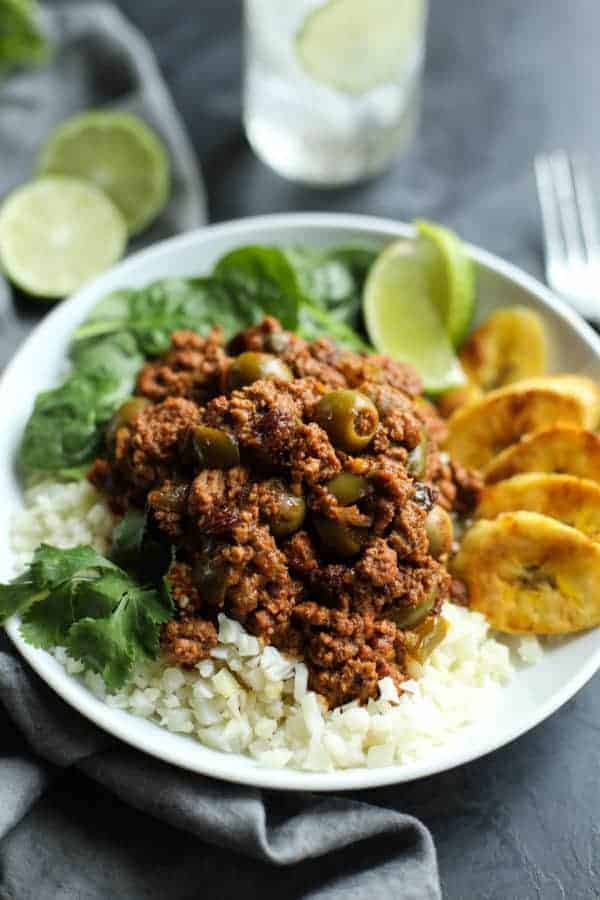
x,y
222,765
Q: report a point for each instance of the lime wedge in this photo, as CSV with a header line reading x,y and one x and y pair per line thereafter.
x,y
355,45
453,276
402,320
56,233
21,41
120,154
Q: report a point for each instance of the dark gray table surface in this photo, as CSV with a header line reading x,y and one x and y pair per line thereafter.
x,y
505,78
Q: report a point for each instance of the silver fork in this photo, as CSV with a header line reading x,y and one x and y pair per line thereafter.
x,y
571,231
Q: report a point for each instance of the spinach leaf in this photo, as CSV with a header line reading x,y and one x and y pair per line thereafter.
x,y
316,323
104,616
333,280
62,432
264,280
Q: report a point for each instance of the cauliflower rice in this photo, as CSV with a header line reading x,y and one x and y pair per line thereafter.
x,y
250,698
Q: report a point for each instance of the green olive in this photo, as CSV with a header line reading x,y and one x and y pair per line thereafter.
x,y
417,458
170,496
290,513
210,580
347,488
125,415
214,448
349,418
342,540
427,635
408,618
249,367
440,532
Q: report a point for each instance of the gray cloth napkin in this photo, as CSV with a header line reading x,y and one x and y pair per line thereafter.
x,y
338,848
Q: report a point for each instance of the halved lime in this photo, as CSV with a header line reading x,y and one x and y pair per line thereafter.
x,y
355,45
56,233
402,319
120,154
453,274
21,40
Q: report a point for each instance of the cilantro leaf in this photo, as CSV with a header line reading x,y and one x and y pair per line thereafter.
x,y
47,622
102,646
104,616
18,595
111,646
52,565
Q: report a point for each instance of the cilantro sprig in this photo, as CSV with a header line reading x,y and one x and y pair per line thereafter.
x,y
79,599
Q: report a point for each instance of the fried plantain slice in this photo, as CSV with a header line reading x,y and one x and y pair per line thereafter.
x,y
510,345
530,574
562,449
457,397
479,431
573,501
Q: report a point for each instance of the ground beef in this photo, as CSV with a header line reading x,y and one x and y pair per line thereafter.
x,y
342,614
192,368
149,453
348,653
185,642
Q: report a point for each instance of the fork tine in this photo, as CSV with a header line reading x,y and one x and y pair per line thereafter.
x,y
567,206
555,252
588,216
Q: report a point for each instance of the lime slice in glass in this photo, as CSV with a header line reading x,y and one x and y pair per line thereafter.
x,y
120,154
56,233
453,277
357,45
402,319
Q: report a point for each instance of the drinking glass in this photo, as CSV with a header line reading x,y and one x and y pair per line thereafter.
x,y
332,89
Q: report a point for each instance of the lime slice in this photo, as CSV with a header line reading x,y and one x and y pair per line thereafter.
x,y
402,320
453,275
56,233
20,38
120,154
355,45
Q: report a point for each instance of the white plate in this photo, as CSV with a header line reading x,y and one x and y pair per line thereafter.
x,y
536,691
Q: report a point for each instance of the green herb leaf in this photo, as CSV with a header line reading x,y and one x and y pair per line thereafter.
x,y
103,647
333,280
18,595
316,323
127,539
52,566
76,597
21,41
111,646
265,280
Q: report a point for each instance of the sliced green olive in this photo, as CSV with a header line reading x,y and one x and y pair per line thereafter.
x,y
347,488
125,415
210,580
349,418
214,448
290,513
440,532
408,618
417,458
342,540
170,496
249,367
